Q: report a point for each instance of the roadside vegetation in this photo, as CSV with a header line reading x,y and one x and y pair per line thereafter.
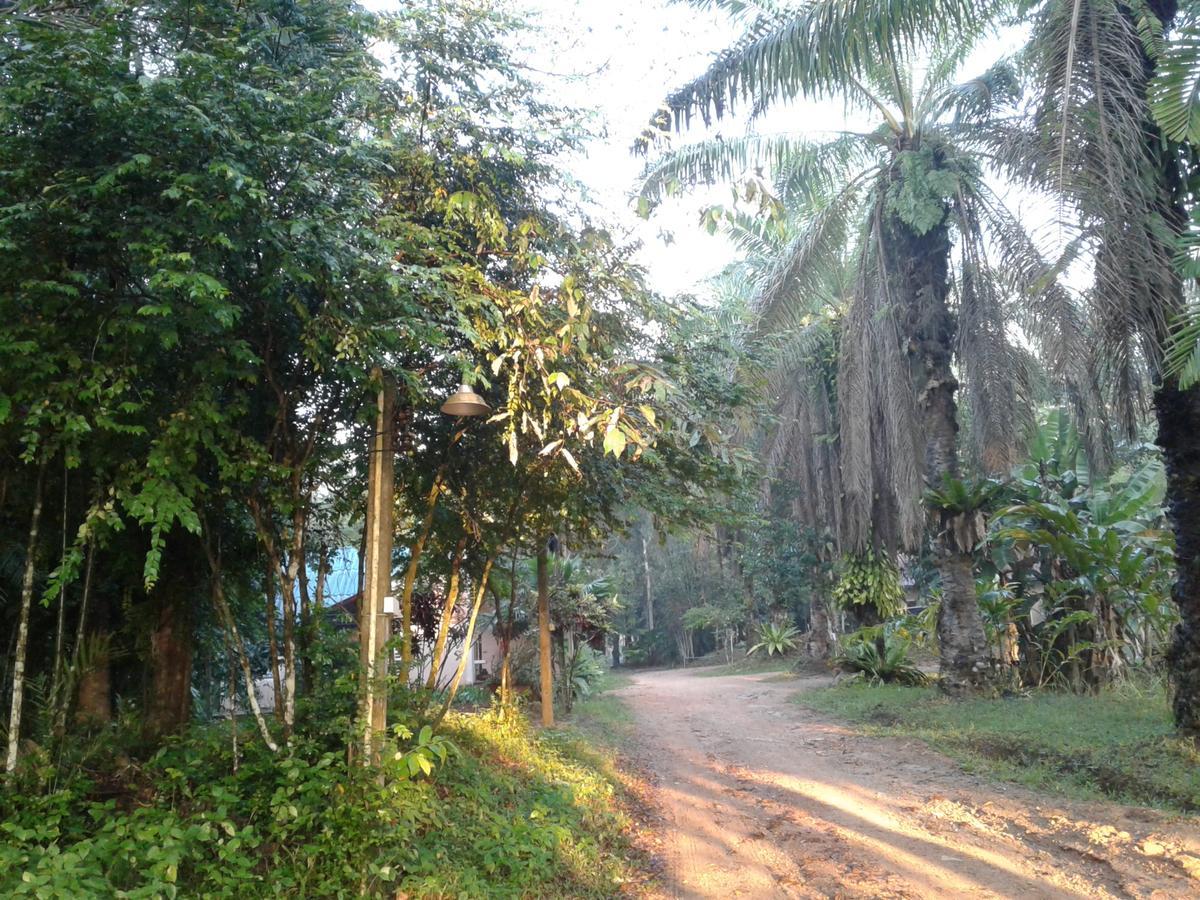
x,y
511,813
1118,744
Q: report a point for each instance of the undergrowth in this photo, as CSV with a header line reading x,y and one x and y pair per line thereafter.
x,y
510,813
1118,744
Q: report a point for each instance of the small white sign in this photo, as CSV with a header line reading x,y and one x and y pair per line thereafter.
x,y
390,606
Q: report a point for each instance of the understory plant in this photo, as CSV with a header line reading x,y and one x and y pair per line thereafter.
x,y
878,655
1077,585
868,585
775,638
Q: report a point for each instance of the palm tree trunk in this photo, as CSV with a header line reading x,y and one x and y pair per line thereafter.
x,y
1178,424
920,276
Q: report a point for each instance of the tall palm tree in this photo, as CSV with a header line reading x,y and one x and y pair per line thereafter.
x,y
939,263
1119,125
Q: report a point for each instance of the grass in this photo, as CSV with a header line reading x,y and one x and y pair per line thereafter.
x,y
1118,744
749,665
604,718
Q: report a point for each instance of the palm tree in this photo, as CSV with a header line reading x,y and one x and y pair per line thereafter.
x,y
1118,136
939,264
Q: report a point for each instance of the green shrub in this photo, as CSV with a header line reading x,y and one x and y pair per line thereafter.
x,y
879,657
775,639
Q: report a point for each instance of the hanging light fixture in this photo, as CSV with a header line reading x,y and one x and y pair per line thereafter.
x,y
465,402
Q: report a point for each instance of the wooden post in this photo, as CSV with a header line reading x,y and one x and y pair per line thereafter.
x,y
374,625
546,660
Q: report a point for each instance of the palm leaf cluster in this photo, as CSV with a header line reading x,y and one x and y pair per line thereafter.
x,y
847,432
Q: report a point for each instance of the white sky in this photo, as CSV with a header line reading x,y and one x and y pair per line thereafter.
x,y
619,59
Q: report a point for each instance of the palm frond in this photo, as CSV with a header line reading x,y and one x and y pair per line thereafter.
x,y
817,49
978,99
818,250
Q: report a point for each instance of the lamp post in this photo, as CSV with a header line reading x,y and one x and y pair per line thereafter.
x,y
378,605
374,622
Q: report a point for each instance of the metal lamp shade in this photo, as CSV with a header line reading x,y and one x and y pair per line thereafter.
x,y
465,402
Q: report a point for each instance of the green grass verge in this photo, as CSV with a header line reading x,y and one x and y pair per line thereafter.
x,y
604,718
750,665
1117,745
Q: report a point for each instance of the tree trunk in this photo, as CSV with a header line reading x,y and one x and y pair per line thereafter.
x,y
646,582
169,707
289,579
272,639
545,659
58,691
234,640
94,695
469,639
1178,427
504,633
920,278
410,575
820,633
315,615
439,643
94,698
304,644
18,692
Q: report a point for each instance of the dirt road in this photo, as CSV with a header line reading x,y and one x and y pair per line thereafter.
x,y
763,798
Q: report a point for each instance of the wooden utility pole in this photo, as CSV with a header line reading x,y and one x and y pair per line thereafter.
x,y
374,625
545,659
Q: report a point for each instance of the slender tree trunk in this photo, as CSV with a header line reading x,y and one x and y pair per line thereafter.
x,y
304,644
504,633
272,639
57,682
545,650
410,575
289,577
480,591
646,584
314,619
443,632
18,692
920,278
233,729
234,639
